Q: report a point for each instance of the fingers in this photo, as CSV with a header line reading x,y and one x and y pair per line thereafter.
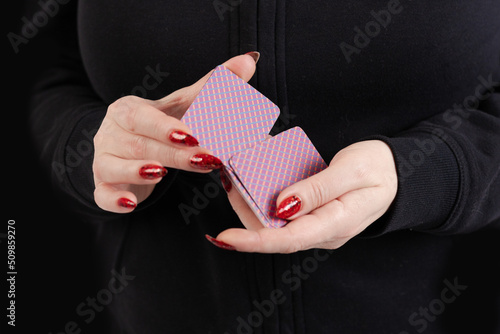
x,y
329,226
114,198
361,165
317,190
138,137
154,125
133,144
179,101
133,147
242,65
329,208
300,234
136,115
115,178
115,170
135,130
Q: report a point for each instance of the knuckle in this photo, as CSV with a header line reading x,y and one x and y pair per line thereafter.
x,y
177,100
162,128
176,104
105,137
176,158
119,105
347,233
96,172
126,100
138,147
98,140
356,205
361,169
98,197
294,244
103,133
102,168
391,180
357,162
293,248
319,192
124,111
333,244
97,168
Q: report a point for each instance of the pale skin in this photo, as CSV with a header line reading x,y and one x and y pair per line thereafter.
x,y
338,203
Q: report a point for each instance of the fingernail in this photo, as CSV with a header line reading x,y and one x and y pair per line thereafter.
x,y
205,161
219,244
254,54
288,207
226,182
180,137
152,172
126,203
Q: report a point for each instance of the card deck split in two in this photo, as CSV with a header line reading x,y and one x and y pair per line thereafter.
x,y
233,119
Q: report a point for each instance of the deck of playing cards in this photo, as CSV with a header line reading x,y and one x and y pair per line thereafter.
x,y
233,119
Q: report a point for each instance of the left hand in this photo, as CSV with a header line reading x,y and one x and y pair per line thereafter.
x,y
335,205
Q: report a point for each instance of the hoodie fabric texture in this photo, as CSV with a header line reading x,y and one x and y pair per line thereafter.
x,y
419,75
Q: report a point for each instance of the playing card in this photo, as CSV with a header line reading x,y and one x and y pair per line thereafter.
x,y
272,165
229,115
233,119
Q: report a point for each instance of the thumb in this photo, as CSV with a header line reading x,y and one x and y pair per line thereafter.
x,y
309,194
178,102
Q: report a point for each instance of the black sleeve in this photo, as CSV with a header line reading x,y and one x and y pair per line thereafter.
x,y
65,114
449,168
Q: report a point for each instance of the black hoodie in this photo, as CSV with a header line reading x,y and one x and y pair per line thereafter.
x,y
421,76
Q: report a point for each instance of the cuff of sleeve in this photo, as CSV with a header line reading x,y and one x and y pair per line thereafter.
x,y
428,182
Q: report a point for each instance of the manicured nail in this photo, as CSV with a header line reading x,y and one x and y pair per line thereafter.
x,y
255,55
152,172
219,244
226,182
126,203
180,137
288,207
205,161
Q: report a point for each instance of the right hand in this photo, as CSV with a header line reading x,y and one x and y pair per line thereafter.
x,y
134,143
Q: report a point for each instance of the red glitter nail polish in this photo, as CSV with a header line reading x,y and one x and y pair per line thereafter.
x,y
288,207
219,244
226,182
152,171
126,203
180,137
205,161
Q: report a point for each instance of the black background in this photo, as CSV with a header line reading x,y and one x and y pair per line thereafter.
x,y
53,252
53,262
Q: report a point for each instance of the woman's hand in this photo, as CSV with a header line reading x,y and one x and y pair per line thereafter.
x,y
326,209
138,138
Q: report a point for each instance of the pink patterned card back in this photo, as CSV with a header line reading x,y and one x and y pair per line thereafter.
x,y
272,165
233,119
229,115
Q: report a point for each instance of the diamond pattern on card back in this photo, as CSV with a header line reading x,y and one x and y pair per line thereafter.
x,y
229,115
271,166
